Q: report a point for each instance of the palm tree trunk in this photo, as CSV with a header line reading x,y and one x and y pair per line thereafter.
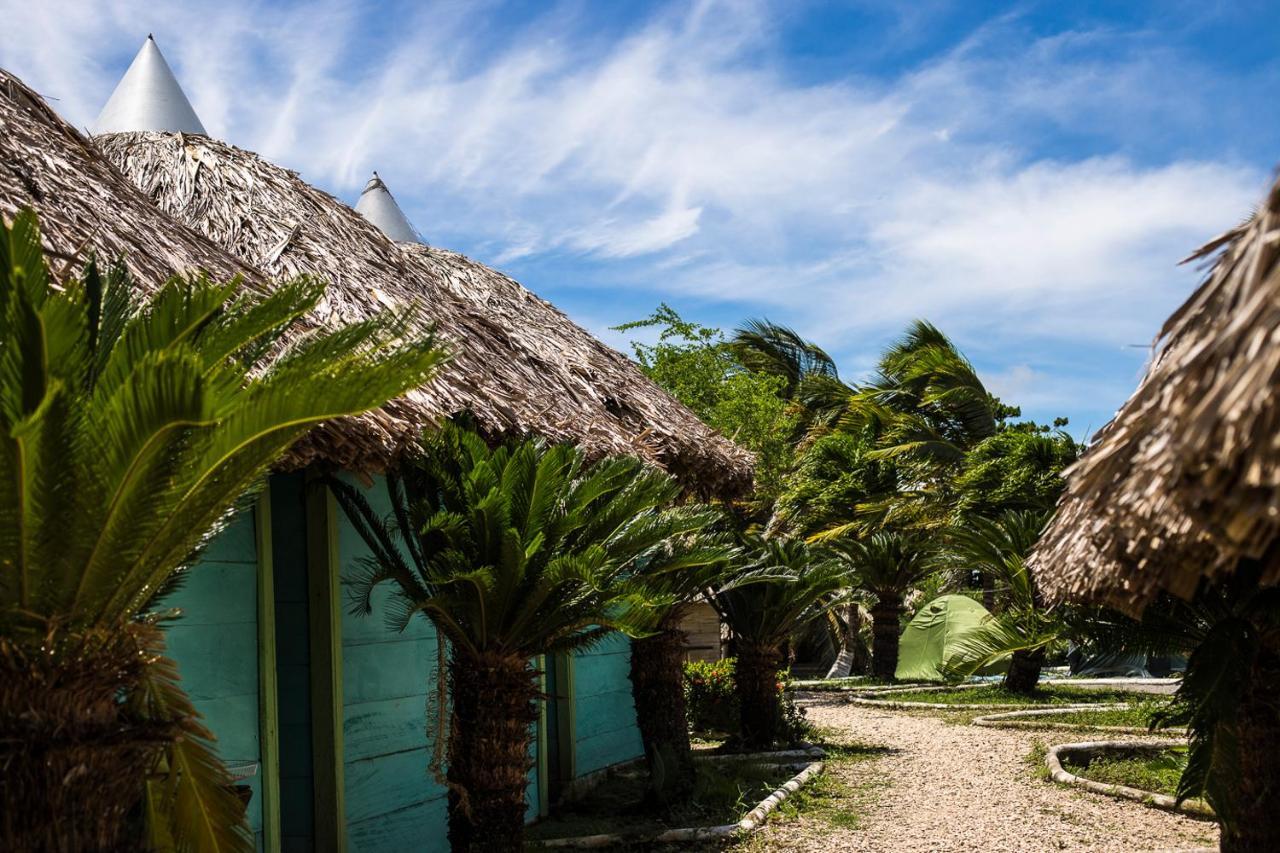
x,y
1024,671
490,736
1254,787
853,654
74,762
657,686
756,681
886,619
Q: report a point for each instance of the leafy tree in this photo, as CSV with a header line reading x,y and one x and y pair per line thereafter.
x,y
130,430
1015,469
512,552
1023,628
697,366
803,584
886,566
834,476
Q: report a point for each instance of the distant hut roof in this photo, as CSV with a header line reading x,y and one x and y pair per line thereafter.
x,y
519,365
1184,482
148,97
377,205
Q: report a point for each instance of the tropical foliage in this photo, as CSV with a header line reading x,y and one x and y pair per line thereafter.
x,y
513,552
800,584
130,430
886,566
1021,630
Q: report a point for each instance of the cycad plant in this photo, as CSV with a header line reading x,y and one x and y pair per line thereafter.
x,y
129,432
512,552
802,584
1022,629
1229,698
672,582
886,565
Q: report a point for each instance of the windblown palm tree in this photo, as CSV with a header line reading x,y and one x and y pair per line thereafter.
x,y
1022,629
129,432
804,584
512,552
886,566
809,375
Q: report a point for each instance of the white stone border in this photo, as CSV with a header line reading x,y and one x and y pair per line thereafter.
x,y
1019,720
751,822
1053,761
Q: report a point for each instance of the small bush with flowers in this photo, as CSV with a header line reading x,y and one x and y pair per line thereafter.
x,y
712,703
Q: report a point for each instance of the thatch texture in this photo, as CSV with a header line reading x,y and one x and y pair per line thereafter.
x,y
85,204
519,366
1185,480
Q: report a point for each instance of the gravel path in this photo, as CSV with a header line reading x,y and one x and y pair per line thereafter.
x,y
951,787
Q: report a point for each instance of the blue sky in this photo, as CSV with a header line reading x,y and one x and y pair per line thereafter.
x,y
1024,175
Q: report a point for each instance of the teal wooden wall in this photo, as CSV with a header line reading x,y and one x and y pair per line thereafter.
x,y
605,729
215,643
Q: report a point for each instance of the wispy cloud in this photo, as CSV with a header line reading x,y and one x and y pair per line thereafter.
x,y
1014,187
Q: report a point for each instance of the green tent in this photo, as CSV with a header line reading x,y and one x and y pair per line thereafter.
x,y
932,635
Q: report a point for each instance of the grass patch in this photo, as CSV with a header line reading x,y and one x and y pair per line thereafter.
x,y
995,694
1157,772
1137,716
1035,761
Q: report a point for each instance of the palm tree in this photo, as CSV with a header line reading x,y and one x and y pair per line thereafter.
x,y
130,431
1022,629
809,376
673,584
512,552
802,584
886,565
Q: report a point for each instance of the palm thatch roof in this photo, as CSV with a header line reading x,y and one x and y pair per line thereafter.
x,y
85,204
1184,482
519,365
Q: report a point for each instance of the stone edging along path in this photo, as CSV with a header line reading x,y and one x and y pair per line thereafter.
x,y
751,822
1053,761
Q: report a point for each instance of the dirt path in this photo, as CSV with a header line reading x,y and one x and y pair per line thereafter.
x,y
942,786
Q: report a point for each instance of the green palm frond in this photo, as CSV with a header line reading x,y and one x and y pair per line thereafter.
x,y
524,547
130,430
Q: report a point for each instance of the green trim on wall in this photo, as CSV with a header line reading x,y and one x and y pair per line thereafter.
x,y
325,614
567,718
268,696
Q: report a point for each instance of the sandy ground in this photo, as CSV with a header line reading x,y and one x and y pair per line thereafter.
x,y
942,786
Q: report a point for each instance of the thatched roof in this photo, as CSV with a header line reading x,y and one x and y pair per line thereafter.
x,y
519,365
85,204
1185,480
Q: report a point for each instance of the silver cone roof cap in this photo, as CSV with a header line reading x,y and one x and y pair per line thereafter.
x,y
377,205
148,97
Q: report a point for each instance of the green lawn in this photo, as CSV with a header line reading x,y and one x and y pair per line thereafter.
x,y
1156,772
1137,716
994,694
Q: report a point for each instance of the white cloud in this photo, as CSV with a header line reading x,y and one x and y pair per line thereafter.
x,y
683,153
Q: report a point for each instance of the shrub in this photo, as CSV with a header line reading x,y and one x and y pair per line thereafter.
x,y
712,702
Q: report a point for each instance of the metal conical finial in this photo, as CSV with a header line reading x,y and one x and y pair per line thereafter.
x,y
148,97
377,205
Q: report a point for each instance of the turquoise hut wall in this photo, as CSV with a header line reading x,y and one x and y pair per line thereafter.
x,y
215,643
392,801
605,730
